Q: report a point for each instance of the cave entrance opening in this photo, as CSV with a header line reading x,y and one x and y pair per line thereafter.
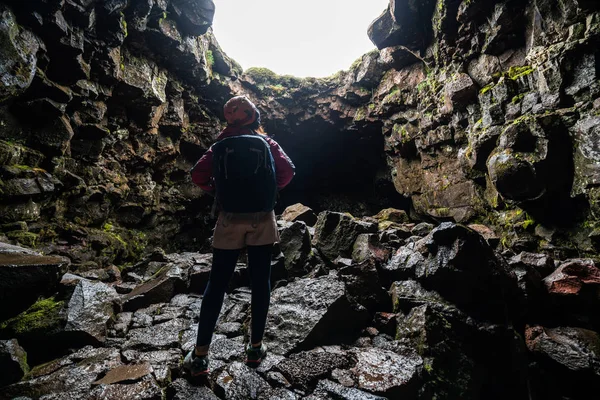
x,y
313,38
341,170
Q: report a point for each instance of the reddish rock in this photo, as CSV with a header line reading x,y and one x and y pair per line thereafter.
x,y
573,278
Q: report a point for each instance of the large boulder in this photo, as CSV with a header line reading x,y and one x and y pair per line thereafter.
x,y
364,287
296,247
387,373
567,361
456,262
25,276
39,329
310,312
574,292
575,349
335,233
90,309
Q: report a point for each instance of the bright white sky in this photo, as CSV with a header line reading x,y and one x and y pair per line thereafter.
x,y
304,38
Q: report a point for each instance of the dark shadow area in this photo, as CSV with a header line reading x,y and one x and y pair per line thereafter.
x,y
338,170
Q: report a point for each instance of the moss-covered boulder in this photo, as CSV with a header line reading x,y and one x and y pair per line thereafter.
x,y
38,328
26,277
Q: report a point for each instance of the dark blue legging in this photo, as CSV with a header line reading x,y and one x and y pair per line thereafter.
x,y
259,267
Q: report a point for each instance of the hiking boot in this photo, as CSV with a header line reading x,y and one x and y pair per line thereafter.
x,y
197,365
254,355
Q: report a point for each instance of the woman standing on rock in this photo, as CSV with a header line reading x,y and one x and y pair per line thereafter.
x,y
244,170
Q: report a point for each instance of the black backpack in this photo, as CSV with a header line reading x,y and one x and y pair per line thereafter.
x,y
244,172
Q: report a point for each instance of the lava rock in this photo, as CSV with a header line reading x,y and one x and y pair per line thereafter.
x,y
18,60
156,337
13,362
309,312
457,263
327,389
574,292
181,389
387,373
70,377
168,282
25,276
403,23
335,233
146,389
194,17
125,373
300,212
304,369
89,311
295,243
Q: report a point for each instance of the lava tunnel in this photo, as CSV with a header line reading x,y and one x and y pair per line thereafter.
x,y
337,169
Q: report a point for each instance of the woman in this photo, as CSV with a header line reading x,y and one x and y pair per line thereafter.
x,y
257,231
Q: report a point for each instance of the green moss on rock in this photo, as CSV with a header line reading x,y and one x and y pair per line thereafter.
x,y
26,238
44,316
515,73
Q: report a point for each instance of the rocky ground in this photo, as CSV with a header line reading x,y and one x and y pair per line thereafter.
x,y
369,308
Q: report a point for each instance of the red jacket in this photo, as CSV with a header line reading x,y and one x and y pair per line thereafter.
x,y
202,171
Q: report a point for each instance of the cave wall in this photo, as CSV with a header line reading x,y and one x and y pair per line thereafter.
x,y
104,108
489,110
498,121
471,111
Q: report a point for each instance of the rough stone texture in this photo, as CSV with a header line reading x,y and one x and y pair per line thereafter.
x,y
483,111
306,368
296,247
327,389
335,233
309,312
170,280
194,17
90,309
574,291
181,389
25,276
299,212
403,23
17,54
146,389
387,373
574,348
72,375
570,356
460,265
